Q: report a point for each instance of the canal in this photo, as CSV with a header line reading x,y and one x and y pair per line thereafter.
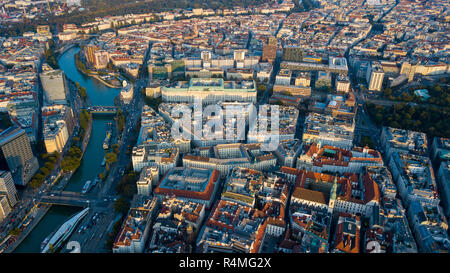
x,y
99,94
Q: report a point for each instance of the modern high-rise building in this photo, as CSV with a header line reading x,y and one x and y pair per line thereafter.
x,y
375,76
101,59
54,86
55,136
16,155
89,51
7,187
57,124
5,208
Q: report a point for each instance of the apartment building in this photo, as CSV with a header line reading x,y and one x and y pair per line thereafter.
x,y
317,158
17,156
153,156
414,177
227,156
403,141
135,229
148,179
58,125
328,130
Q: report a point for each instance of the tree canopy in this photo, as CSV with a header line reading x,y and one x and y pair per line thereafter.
x,y
428,119
72,160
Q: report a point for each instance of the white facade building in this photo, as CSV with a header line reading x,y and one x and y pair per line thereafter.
x,y
7,187
148,178
210,91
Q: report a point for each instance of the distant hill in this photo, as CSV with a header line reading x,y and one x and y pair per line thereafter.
x,y
101,8
101,5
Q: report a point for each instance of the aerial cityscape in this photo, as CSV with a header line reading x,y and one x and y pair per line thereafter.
x,y
232,126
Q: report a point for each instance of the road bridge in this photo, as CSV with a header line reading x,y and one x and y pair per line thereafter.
x,y
103,109
66,198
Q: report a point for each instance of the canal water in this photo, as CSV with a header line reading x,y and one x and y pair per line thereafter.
x,y
99,94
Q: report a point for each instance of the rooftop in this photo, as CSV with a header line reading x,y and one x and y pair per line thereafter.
x,y
187,182
212,84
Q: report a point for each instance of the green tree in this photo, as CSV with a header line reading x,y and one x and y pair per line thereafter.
x,y
120,120
85,116
366,141
121,205
261,88
72,160
115,148
111,158
45,171
387,92
15,232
